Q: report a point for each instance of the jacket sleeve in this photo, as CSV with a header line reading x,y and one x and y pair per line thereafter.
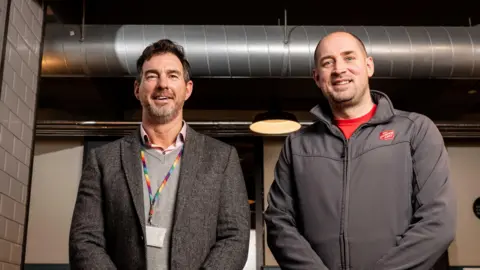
x,y
233,225
433,225
87,240
290,249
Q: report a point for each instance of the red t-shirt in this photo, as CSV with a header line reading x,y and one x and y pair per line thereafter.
x,y
348,126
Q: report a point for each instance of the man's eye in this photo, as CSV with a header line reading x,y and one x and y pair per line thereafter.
x,y
326,63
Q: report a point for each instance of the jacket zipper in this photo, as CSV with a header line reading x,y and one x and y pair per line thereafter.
x,y
343,233
346,194
345,256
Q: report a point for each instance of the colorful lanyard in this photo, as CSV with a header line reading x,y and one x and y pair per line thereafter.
x,y
160,188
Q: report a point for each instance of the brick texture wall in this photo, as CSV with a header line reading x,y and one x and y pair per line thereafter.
x,y
17,113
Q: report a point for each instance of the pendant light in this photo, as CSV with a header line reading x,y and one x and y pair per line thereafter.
x,y
275,123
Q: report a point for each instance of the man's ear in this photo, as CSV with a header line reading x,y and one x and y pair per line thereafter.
x,y
316,77
136,89
314,74
370,66
189,90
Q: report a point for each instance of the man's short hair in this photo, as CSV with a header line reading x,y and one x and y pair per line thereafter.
x,y
362,45
163,46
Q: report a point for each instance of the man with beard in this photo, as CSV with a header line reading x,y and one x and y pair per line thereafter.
x,y
365,187
164,197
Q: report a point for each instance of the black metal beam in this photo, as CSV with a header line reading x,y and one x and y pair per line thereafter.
x,y
216,129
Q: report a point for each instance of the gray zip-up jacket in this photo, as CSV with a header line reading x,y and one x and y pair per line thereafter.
x,y
381,200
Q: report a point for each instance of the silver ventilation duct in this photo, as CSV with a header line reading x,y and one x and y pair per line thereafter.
x,y
260,51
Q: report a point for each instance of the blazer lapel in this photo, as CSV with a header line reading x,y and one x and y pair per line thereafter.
x,y
188,170
130,152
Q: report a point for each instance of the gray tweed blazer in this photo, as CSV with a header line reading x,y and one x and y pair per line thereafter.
x,y
211,220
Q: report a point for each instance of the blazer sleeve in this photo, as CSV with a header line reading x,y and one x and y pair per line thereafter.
x,y
433,225
290,249
233,224
87,240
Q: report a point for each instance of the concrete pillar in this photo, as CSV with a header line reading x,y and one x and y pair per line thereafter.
x,y
21,31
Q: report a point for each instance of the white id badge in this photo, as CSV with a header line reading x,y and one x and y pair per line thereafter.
x,y
155,236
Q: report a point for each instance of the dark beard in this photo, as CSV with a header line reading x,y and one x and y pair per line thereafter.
x,y
340,104
344,102
350,102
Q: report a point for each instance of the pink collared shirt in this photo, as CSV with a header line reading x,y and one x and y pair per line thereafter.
x,y
177,144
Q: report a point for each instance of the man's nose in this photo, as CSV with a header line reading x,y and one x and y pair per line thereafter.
x,y
340,67
162,82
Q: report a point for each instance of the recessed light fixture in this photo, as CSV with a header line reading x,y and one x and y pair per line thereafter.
x,y
471,92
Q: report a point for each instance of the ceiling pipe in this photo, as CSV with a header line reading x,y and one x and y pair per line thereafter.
x,y
217,51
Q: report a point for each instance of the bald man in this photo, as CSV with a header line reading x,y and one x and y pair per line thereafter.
x,y
366,186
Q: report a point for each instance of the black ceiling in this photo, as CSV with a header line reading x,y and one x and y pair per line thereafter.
x,y
109,98
249,12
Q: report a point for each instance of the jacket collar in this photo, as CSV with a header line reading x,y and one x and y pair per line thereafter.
x,y
385,110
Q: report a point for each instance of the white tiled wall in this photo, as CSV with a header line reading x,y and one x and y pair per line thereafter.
x,y
17,110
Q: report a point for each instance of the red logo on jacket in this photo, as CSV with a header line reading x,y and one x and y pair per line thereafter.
x,y
387,135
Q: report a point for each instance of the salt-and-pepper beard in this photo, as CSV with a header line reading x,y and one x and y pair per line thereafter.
x,y
159,115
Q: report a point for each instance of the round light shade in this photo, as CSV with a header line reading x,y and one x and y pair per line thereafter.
x,y
275,123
